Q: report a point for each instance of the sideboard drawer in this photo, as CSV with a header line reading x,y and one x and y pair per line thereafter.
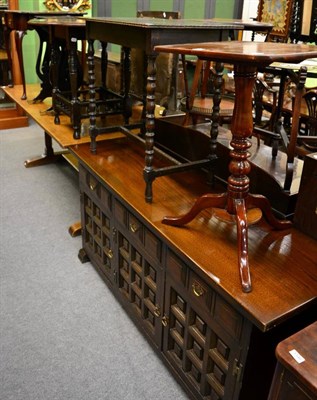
x,y
139,234
94,188
200,292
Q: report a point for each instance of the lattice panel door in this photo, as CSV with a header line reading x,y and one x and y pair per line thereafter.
x,y
200,349
98,235
140,282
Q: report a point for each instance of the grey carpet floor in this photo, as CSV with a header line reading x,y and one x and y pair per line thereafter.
x,y
63,334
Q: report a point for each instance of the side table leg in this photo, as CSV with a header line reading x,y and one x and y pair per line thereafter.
x,y
149,125
75,106
7,33
75,229
93,131
261,202
19,35
208,200
242,236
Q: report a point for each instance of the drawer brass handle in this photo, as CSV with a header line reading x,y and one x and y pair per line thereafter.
x,y
197,289
109,253
134,228
165,321
157,312
93,185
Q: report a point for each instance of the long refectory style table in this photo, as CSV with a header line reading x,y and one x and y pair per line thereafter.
x,y
42,115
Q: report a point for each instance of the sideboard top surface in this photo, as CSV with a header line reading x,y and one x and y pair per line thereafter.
x,y
283,264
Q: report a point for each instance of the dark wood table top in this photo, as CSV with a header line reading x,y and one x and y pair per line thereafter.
x,y
304,344
150,23
248,24
43,13
58,21
259,53
18,19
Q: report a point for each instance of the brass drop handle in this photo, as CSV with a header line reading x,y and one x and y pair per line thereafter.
x,y
109,253
134,227
197,289
157,311
165,321
93,184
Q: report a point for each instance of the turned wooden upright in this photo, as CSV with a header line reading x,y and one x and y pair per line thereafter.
x,y
237,204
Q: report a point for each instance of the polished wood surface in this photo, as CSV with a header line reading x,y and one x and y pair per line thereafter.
x,y
257,53
237,201
61,20
305,343
283,263
295,376
62,134
12,118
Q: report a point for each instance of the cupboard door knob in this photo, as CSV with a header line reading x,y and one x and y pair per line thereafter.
x,y
93,185
157,311
197,289
134,228
165,321
109,253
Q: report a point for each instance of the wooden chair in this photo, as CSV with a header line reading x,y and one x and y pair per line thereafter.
x,y
279,13
304,21
204,103
265,100
290,141
307,138
280,136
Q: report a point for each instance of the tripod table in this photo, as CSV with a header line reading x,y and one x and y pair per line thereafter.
x,y
237,204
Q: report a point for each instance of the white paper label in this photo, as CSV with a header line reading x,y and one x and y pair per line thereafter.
x,y
297,357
